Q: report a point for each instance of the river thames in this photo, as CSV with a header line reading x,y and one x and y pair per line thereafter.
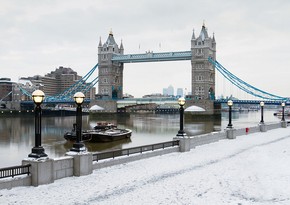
x,y
17,133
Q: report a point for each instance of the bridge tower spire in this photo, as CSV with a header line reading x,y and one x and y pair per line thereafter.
x,y
110,73
203,72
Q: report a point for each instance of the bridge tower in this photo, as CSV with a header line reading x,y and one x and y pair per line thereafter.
x,y
110,73
203,72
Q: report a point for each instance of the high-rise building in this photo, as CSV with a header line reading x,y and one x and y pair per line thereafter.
x,y
55,82
179,92
59,80
170,90
165,92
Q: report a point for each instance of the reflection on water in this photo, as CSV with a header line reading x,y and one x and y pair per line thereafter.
x,y
17,133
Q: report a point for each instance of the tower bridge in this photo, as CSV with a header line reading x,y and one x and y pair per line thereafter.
x,y
111,60
202,56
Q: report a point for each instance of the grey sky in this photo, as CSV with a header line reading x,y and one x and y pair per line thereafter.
x,y
252,39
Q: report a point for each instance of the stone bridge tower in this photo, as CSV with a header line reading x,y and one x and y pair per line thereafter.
x,y
203,72
110,73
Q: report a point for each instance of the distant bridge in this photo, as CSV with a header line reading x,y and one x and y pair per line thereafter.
x,y
252,102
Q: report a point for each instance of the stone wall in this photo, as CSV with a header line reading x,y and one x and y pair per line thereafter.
x,y
9,183
63,167
187,143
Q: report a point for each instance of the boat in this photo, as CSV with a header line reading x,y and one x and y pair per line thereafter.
x,y
104,126
102,133
108,135
72,136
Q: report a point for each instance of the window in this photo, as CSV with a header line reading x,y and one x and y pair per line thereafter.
x,y
105,80
199,66
104,91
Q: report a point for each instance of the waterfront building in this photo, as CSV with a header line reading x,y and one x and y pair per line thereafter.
x,y
154,95
55,82
59,80
6,88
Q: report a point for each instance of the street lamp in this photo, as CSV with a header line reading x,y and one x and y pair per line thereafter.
x,y
78,146
262,112
283,111
181,102
38,150
230,104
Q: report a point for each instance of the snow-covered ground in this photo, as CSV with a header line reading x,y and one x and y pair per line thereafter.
x,y
252,169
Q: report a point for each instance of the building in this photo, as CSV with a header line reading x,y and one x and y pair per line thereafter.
x,y
203,72
165,92
59,80
6,88
179,92
168,91
55,82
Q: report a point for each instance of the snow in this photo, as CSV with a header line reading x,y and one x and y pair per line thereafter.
x,y
96,107
194,108
252,169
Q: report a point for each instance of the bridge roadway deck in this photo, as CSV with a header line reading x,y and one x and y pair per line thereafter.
x,y
152,57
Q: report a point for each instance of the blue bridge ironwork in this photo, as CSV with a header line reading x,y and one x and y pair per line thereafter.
x,y
152,57
83,86
252,102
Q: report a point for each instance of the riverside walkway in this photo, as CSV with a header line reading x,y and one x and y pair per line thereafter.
x,y
252,169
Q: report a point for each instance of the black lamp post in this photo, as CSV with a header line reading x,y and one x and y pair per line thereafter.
x,y
283,111
181,102
262,112
38,150
78,146
230,104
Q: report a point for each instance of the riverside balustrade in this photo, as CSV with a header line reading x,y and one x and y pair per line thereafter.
x,y
14,171
134,150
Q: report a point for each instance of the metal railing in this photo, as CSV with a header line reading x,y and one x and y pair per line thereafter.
x,y
14,171
134,150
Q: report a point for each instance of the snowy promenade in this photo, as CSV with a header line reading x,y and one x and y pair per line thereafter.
x,y
252,169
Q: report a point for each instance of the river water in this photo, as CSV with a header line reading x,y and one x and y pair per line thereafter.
x,y
17,133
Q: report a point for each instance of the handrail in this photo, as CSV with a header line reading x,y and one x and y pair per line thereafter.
x,y
14,171
134,150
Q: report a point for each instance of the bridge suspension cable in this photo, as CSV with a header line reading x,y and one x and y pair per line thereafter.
x,y
243,85
78,86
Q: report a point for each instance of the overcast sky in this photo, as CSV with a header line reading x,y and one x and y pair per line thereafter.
x,y
253,39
